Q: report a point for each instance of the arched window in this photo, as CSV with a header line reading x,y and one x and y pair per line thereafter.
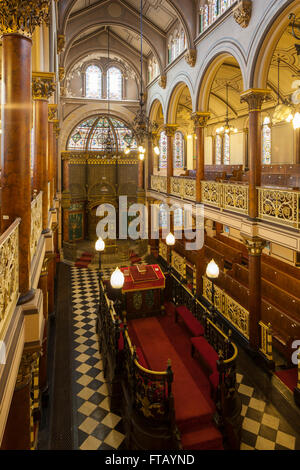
x,y
266,141
114,84
178,150
93,76
219,142
163,150
170,52
182,41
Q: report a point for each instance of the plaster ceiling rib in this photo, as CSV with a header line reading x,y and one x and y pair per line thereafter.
x,y
225,103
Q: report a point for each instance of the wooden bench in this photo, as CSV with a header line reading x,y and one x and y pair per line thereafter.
x,y
234,244
230,254
283,280
192,324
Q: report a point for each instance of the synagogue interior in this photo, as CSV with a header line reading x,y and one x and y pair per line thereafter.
x,y
150,225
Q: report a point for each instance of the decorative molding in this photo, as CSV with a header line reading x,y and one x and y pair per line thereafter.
x,y
56,128
200,119
61,43
191,57
61,73
26,369
52,110
20,17
162,82
255,245
43,85
255,98
242,13
170,129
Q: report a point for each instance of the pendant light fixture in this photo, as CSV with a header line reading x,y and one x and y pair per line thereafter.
x,y
226,129
108,141
283,111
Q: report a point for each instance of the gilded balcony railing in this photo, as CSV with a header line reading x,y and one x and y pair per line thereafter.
x,y
234,197
179,264
159,183
266,340
184,188
9,272
237,315
36,223
279,205
163,251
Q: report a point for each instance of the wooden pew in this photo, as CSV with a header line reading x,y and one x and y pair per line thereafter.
x,y
281,279
281,266
231,255
234,244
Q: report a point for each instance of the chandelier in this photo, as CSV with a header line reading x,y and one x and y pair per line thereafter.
x,y
226,129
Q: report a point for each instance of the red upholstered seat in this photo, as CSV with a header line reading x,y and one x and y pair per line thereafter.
x,y
169,308
206,351
191,322
141,358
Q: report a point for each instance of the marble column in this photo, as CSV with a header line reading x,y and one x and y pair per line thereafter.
x,y
43,86
52,108
170,130
200,122
254,98
255,246
18,22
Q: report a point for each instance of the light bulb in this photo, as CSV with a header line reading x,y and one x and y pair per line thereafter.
x,y
296,121
142,149
212,270
127,151
289,118
156,150
100,245
170,240
141,156
117,279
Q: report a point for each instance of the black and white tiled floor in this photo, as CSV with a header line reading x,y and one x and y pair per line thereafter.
x,y
97,428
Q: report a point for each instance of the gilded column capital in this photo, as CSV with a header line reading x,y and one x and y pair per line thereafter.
x,y
52,110
43,85
162,82
242,13
56,128
191,57
61,43
20,17
170,129
255,98
61,73
200,119
255,245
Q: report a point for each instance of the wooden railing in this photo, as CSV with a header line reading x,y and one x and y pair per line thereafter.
x,y
237,315
159,183
279,206
184,188
228,196
36,223
9,272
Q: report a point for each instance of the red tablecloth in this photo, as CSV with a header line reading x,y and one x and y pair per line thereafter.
x,y
135,280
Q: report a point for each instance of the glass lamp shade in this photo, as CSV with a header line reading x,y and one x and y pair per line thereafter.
x,y
170,240
296,121
117,279
100,245
212,270
156,151
141,156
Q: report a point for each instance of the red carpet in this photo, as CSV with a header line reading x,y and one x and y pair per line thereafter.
x,y
84,260
289,377
193,406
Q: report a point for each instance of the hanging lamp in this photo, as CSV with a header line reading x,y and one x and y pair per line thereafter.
x,y
226,129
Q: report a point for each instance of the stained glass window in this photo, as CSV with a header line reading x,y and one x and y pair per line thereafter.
x,y
267,141
78,138
114,84
93,82
178,150
163,216
163,148
206,17
219,142
226,160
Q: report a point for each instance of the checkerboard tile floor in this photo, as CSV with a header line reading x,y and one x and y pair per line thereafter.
x,y
263,427
99,429
96,427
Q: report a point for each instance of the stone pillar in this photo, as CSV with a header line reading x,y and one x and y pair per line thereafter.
x,y
43,85
255,246
17,434
246,149
254,98
18,21
170,130
56,137
200,121
52,108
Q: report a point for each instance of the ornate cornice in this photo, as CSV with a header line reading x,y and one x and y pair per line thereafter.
x,y
191,57
255,98
43,85
61,42
162,82
170,129
255,245
52,110
242,13
22,17
200,119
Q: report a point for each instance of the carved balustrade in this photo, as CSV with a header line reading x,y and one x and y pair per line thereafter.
x,y
279,206
234,197
184,188
159,183
36,223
